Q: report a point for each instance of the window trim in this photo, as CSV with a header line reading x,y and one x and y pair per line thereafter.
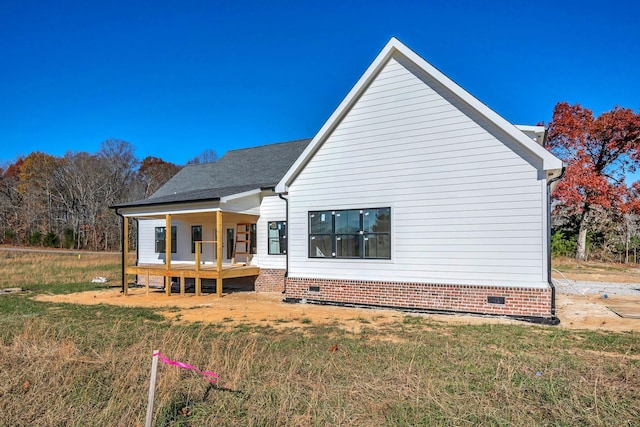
x,y
361,234
282,242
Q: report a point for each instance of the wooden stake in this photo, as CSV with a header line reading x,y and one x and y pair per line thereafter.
x,y
152,388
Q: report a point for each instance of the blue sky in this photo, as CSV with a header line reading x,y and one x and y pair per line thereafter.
x,y
176,78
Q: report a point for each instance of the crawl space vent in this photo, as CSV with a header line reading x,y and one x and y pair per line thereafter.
x,y
495,300
314,288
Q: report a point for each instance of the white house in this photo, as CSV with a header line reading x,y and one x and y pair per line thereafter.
x,y
413,195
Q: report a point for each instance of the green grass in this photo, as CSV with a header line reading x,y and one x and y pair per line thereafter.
x,y
64,364
57,272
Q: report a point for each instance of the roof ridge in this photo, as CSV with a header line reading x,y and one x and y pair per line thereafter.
x,y
269,145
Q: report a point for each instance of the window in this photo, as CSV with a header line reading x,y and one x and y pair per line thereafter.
x,y
161,242
277,236
253,239
355,233
196,236
321,234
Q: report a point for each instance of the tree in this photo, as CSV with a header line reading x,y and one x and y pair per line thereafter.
x,y
118,165
65,200
207,156
153,173
36,187
10,200
599,152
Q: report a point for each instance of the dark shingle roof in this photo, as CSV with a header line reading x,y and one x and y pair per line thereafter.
x,y
190,196
235,172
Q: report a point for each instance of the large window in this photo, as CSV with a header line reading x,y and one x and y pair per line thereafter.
x,y
277,235
196,236
355,233
161,244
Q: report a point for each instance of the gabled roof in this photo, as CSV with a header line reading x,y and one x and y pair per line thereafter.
x,y
238,171
395,47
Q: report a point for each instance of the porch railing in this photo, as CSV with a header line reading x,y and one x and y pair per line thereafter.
x,y
198,249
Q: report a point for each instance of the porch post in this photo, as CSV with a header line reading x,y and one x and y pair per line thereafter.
x,y
198,279
219,253
125,256
197,249
167,253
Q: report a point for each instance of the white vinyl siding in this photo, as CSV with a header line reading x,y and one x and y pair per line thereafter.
x,y
467,202
146,233
272,208
147,243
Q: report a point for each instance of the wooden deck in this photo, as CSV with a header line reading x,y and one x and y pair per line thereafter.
x,y
191,271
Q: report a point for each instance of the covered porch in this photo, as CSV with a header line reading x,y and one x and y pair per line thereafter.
x,y
217,256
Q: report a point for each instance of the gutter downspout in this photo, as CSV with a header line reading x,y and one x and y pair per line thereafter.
x,y
137,244
286,269
553,288
123,239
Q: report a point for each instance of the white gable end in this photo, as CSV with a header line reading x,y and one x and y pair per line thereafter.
x,y
468,200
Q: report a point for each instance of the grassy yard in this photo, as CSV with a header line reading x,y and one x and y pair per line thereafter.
x,y
77,365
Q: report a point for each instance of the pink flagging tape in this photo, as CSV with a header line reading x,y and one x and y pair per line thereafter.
x,y
212,377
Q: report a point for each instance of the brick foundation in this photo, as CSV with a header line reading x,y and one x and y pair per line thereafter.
x,y
270,280
455,298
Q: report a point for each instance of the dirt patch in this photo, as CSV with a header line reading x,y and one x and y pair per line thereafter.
x,y
268,309
629,277
592,312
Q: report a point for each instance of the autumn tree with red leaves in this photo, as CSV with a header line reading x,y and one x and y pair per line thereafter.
x,y
153,173
599,153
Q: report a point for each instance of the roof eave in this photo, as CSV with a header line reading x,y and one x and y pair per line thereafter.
x,y
129,206
337,115
549,161
230,197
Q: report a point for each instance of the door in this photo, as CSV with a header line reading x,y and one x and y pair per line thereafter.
x,y
230,242
228,239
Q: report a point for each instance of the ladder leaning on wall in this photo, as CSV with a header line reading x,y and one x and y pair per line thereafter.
x,y
242,244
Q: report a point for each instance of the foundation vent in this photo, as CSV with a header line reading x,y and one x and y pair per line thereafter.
x,y
314,288
496,300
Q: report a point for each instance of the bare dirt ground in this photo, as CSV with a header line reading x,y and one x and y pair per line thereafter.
x,y
576,311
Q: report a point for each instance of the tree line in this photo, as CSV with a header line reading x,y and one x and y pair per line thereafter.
x,y
63,202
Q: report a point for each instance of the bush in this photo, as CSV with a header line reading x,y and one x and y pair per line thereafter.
x,y
561,246
35,238
8,236
69,238
51,240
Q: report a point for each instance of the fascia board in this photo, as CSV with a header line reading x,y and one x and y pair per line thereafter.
x,y
338,114
230,197
159,210
530,128
550,162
